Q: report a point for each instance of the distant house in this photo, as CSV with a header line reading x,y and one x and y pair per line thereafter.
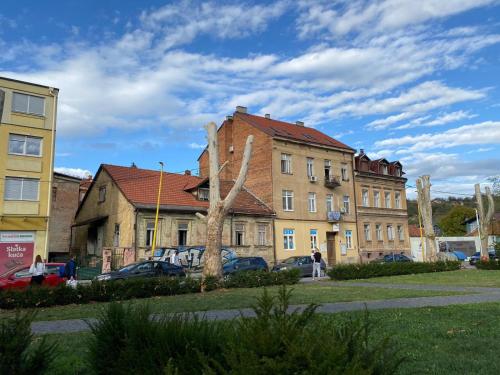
x,y
118,211
65,201
493,229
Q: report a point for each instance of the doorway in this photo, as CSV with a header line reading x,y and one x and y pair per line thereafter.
x,y
330,248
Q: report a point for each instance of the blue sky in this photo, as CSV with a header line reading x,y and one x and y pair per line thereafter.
x,y
415,81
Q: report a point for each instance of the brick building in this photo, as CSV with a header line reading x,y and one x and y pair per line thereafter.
x,y
305,176
118,211
381,207
65,200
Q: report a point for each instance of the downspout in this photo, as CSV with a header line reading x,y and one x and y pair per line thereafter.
x,y
274,241
53,92
356,209
135,234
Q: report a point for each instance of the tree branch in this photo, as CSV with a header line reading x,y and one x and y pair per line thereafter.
x,y
213,159
242,176
223,166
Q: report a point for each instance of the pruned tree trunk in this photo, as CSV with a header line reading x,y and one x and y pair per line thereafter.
x,y
424,204
484,217
219,208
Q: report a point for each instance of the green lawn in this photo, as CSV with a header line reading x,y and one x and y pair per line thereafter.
x,y
236,299
439,340
468,277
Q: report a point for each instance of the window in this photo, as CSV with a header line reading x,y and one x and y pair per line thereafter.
x,y
203,194
21,189
310,167
182,230
116,237
384,169
348,239
33,105
313,233
54,194
346,204
150,230
102,193
397,199
387,200
378,231
25,145
401,234
390,233
343,172
329,202
287,200
262,235
239,234
368,235
286,163
328,170
376,199
364,195
312,202
397,172
289,239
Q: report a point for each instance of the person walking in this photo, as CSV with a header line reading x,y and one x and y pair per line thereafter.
x,y
316,257
37,271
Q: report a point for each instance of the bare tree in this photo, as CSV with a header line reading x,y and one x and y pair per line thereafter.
x,y
219,207
424,204
484,217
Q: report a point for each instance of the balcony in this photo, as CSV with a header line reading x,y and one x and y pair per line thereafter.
x,y
332,182
333,216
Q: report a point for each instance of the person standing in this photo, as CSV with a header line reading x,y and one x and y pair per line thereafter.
x,y
316,263
37,271
70,269
174,258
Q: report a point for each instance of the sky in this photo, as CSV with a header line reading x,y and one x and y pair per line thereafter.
x,y
414,81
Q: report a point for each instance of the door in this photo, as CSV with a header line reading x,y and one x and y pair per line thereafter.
x,y
100,239
330,248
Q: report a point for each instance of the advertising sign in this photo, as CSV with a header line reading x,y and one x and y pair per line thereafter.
x,y
16,249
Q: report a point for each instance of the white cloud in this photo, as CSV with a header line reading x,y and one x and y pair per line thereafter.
x,y
441,120
195,145
75,172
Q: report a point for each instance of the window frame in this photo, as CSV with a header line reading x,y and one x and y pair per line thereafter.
x,y
376,198
21,196
239,234
378,232
328,168
202,197
367,231
262,234
286,163
344,172
313,238
286,239
400,230
28,104
387,199
365,198
285,196
329,201
310,166
390,232
311,202
346,203
25,145
348,238
397,199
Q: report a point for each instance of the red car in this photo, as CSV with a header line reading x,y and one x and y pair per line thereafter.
x,y
20,277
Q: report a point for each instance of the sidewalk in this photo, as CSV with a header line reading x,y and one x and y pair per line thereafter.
x,y
481,295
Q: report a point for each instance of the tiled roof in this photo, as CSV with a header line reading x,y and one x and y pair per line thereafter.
x,y
414,230
140,187
281,129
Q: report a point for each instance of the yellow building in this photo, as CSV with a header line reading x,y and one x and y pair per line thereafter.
x,y
27,137
304,175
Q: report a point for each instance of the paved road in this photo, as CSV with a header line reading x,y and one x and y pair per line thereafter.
x,y
480,295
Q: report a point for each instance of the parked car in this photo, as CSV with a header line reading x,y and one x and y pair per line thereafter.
x,y
143,269
302,263
477,256
163,253
244,264
20,277
391,258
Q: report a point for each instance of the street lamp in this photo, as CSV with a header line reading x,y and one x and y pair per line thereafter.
x,y
157,211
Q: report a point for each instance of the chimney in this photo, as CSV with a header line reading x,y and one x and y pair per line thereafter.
x,y
133,165
241,109
187,172
299,123
229,118
267,115
362,151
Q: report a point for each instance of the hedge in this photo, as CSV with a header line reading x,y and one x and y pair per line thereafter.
x,y
488,265
369,270
106,291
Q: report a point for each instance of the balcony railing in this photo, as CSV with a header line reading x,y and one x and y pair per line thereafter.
x,y
332,182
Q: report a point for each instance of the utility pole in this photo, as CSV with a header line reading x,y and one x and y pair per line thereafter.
x,y
153,247
424,204
484,218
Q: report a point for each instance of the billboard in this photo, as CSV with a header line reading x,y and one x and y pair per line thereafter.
x,y
16,249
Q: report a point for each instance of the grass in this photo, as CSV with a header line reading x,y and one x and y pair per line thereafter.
x,y
236,299
467,277
450,340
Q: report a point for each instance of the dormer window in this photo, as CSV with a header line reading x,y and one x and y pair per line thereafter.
x,y
203,194
385,170
397,172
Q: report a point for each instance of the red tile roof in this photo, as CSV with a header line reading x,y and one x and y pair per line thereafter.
x,y
280,129
140,187
414,230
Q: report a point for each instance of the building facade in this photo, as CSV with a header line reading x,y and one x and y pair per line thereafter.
x,y
65,201
27,136
305,176
118,211
382,217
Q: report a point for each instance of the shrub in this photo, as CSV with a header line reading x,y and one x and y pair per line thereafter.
x,y
369,270
492,264
254,279
18,354
275,341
